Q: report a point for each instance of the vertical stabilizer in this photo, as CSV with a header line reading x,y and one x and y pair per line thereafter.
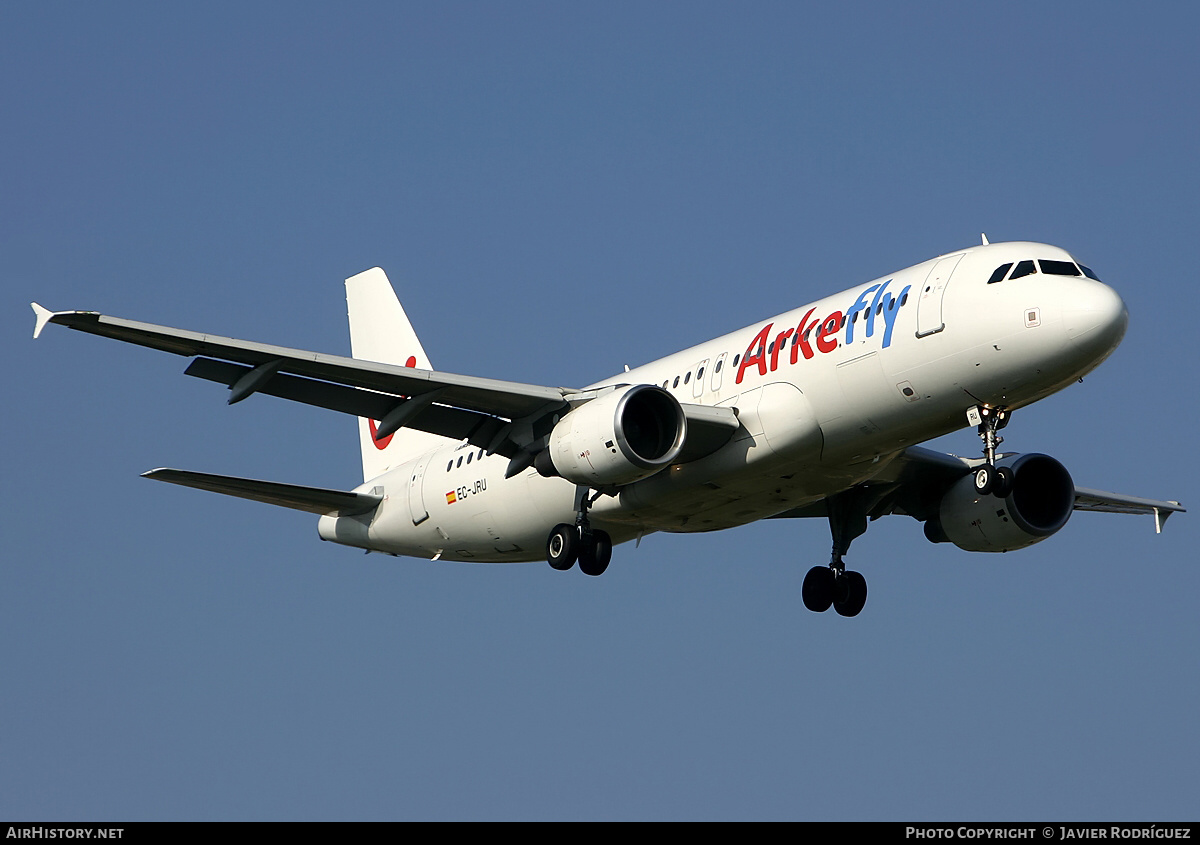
x,y
380,331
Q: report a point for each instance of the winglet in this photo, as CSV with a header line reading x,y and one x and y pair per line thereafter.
x,y
43,317
1160,517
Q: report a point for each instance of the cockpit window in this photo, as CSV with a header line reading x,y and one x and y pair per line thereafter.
x,y
1059,268
1001,271
1087,272
1023,268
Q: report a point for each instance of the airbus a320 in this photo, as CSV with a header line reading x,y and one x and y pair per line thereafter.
x,y
816,412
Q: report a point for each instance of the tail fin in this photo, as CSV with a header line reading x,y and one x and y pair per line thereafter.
x,y
380,331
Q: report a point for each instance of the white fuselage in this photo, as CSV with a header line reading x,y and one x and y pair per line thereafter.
x,y
826,396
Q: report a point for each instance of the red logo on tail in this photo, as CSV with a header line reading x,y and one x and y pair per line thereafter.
x,y
374,426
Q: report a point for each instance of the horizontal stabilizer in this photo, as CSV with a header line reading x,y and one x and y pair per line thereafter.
x,y
312,499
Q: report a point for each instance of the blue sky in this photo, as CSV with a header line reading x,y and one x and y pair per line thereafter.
x,y
557,190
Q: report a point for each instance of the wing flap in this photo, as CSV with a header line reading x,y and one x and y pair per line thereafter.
x,y
316,500
456,423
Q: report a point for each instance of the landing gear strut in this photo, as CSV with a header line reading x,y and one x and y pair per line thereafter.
x,y
834,585
988,479
590,546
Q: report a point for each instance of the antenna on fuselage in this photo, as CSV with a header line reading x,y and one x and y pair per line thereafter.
x,y
985,240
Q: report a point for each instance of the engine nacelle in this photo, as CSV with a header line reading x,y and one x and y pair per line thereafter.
x,y
1041,502
623,436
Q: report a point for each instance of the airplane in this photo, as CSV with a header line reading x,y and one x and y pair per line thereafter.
x,y
813,413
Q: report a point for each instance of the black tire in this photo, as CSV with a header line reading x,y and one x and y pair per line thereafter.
x,y
985,479
852,594
1004,483
595,554
562,547
817,591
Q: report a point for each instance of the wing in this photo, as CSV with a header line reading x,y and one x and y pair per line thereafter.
x,y
916,479
1099,500
487,412
503,417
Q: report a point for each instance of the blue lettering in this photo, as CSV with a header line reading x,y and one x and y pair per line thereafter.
x,y
875,308
853,312
890,312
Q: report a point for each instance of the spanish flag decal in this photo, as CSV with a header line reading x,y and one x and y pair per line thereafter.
x,y
451,498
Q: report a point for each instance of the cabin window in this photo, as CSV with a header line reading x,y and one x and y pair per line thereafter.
x,y
469,456
688,377
720,361
676,382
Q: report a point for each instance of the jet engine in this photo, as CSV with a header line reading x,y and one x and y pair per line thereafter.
x,y
623,436
1038,504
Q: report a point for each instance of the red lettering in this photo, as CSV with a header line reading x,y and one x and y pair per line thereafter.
x,y
802,334
778,347
756,353
826,342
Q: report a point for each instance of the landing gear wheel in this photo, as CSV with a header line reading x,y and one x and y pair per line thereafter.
x,y
1004,483
850,594
818,589
562,547
595,553
985,479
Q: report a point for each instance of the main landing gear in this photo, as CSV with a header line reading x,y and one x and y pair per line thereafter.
x,y
590,546
834,585
988,478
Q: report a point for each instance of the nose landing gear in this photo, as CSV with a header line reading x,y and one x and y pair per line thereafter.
x,y
988,478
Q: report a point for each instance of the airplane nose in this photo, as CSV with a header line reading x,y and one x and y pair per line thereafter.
x,y
1096,318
